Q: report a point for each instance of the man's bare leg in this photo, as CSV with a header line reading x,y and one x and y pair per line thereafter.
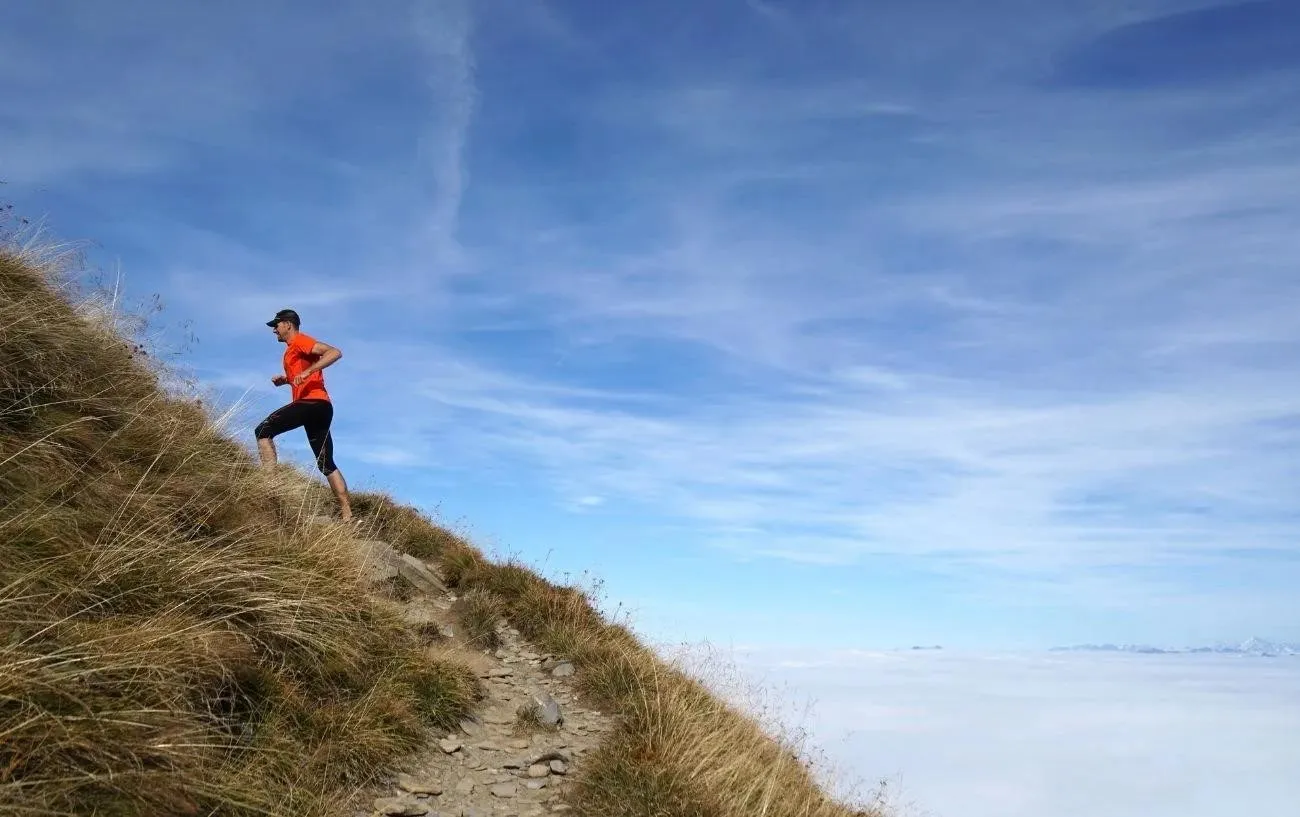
x,y
340,487
266,449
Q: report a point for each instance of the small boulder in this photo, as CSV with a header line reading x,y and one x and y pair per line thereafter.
x,y
449,745
548,709
537,770
504,790
564,669
559,767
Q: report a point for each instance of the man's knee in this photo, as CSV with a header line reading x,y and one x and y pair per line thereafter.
x,y
326,465
264,430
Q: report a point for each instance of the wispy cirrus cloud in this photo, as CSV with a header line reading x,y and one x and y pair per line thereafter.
x,y
444,32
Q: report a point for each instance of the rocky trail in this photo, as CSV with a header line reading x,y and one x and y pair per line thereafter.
x,y
496,764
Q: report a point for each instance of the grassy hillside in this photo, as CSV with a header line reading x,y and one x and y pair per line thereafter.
x,y
175,638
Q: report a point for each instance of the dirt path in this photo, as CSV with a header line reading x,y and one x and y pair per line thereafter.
x,y
492,766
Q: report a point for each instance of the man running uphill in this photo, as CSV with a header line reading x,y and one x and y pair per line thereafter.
x,y
309,407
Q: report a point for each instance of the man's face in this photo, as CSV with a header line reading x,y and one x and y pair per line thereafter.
x,y
281,330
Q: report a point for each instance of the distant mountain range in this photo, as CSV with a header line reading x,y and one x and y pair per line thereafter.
x,y
1251,646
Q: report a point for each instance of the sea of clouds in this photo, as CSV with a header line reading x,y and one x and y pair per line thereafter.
x,y
1035,734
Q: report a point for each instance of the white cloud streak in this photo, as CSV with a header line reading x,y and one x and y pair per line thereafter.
x,y
445,30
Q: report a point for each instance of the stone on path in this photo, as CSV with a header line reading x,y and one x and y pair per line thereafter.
x,y
548,710
418,573
465,787
416,785
559,767
472,728
504,790
400,807
378,561
449,745
381,562
538,770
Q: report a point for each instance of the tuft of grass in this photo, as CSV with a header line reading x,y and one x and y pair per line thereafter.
x,y
528,720
430,634
478,613
175,638
463,567
398,588
446,691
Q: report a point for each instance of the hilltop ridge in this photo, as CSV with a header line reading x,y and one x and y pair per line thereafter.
x,y
180,633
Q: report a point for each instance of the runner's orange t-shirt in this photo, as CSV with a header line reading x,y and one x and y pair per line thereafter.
x,y
297,357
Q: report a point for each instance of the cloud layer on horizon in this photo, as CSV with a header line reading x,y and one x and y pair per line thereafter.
x,y
1028,734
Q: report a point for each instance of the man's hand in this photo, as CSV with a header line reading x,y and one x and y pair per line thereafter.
x,y
301,377
279,380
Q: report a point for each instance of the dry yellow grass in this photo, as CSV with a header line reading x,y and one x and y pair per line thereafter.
x,y
173,638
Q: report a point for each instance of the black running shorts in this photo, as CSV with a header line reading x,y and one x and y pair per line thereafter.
x,y
315,417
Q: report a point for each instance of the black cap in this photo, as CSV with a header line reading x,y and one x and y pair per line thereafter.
x,y
285,315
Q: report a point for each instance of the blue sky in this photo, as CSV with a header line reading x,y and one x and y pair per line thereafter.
x,y
852,325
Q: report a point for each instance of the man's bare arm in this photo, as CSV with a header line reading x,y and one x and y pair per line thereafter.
x,y
326,356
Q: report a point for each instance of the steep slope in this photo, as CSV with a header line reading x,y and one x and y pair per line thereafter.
x,y
181,634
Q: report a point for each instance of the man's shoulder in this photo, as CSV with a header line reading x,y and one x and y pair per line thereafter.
x,y
303,342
